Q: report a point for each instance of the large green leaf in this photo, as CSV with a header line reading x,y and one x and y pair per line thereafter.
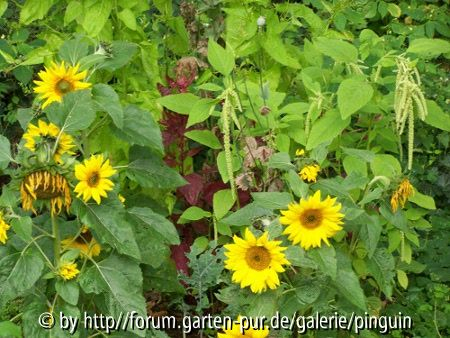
x,y
110,227
220,58
326,128
10,330
353,94
370,232
96,13
179,103
340,51
275,47
18,273
386,165
34,10
74,113
436,117
429,48
73,50
325,257
246,215
120,279
272,200
107,100
422,200
382,267
154,173
5,152
122,53
205,137
140,128
222,203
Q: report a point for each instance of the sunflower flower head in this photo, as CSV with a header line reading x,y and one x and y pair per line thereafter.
x,y
93,175
58,80
4,227
68,270
255,262
300,152
237,331
85,242
401,194
43,137
45,186
309,173
312,221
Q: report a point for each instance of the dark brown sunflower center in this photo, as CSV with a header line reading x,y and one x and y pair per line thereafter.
x,y
258,258
311,218
64,86
84,237
93,179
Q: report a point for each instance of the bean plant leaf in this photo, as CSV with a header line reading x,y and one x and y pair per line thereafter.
x,y
353,94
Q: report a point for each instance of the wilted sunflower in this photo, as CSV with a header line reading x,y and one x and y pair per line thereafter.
x,y
68,270
255,261
312,220
401,194
45,135
4,227
85,242
45,186
59,80
235,331
309,173
93,176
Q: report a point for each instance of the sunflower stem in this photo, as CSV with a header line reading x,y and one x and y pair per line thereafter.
x,y
57,240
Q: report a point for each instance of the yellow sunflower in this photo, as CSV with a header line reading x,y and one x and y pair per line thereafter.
x,y
4,227
45,186
300,152
68,270
255,262
235,331
312,220
45,135
401,194
85,242
309,173
93,176
59,80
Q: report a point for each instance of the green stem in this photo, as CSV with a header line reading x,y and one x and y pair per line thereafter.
x,y
57,240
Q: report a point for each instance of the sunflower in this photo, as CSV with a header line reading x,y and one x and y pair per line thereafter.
x,y
45,186
312,220
59,80
85,242
235,331
309,173
255,262
401,194
68,270
300,152
4,227
46,135
93,176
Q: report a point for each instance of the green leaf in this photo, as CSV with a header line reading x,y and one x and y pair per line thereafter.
x,y
422,200
436,117
120,280
354,164
73,10
385,165
74,113
402,278
3,7
140,128
394,10
9,329
18,273
179,103
5,152
340,51
275,47
381,266
370,232
73,50
325,257
148,218
263,304
154,173
326,128
221,59
298,187
107,100
110,227
164,6
352,95
127,17
23,227
222,202
34,10
281,161
246,215
200,111
272,200
68,290
205,137
122,53
193,214
96,14
365,155
429,48
222,165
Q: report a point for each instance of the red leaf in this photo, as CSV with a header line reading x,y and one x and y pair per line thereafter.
x,y
191,192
